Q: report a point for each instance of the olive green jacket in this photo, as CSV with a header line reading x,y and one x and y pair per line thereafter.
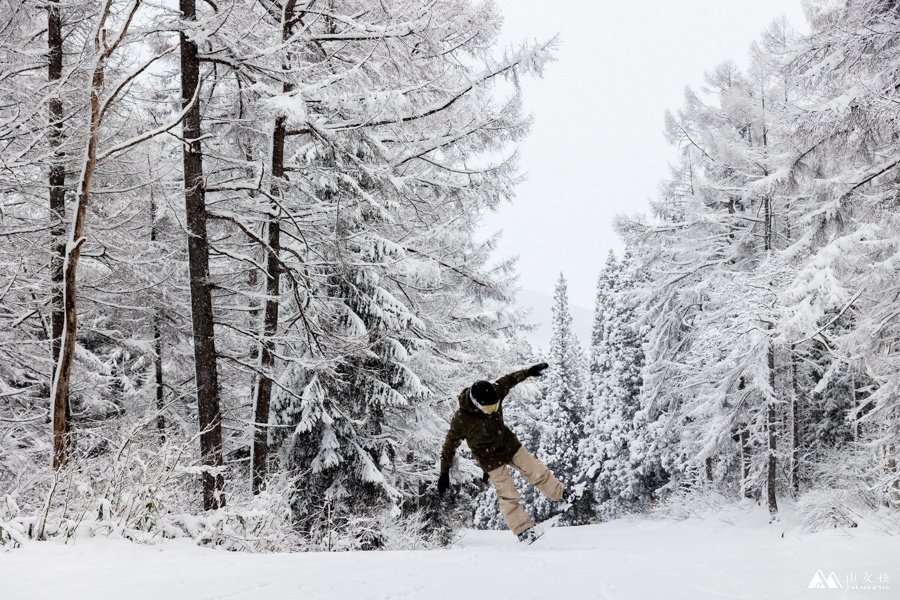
x,y
492,443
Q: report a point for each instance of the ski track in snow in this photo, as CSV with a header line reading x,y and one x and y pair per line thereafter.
x,y
632,558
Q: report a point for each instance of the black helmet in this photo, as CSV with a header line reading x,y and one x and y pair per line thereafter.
x,y
483,393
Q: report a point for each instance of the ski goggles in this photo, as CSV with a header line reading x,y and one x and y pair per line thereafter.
x,y
485,408
490,408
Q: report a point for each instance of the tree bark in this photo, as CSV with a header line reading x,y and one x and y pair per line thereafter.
x,y
61,379
771,417
259,452
157,341
253,285
270,328
746,457
795,425
771,426
158,372
57,184
208,410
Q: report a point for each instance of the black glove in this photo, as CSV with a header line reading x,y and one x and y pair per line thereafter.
x,y
485,477
537,370
443,482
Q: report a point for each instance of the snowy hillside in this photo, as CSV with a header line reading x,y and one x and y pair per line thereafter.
x,y
734,554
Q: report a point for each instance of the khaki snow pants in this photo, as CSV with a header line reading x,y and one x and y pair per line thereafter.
x,y
510,503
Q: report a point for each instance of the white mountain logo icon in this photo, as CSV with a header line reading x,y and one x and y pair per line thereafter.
x,y
819,581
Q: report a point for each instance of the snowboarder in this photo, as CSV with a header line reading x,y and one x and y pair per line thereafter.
x,y
479,421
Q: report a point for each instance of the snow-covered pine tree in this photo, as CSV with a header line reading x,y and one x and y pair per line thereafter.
x,y
387,298
714,354
840,309
613,393
766,265
562,405
595,444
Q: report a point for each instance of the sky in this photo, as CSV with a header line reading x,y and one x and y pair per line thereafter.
x,y
597,147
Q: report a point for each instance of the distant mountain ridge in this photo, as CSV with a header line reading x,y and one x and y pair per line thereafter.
x,y
541,306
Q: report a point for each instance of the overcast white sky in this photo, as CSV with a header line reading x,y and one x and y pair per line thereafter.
x,y
597,147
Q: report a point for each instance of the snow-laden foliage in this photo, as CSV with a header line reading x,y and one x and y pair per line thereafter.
x,y
613,394
394,141
770,264
139,491
554,440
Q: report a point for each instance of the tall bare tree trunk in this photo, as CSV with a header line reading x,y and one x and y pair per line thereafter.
x,y
158,372
61,379
771,417
57,181
270,328
795,424
260,454
743,439
771,426
208,410
157,340
253,286
746,457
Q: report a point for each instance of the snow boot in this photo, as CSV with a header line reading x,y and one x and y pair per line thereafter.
x,y
529,536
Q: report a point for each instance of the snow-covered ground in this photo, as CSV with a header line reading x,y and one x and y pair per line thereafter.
x,y
733,555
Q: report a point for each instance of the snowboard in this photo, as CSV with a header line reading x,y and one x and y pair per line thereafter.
x,y
541,528
579,488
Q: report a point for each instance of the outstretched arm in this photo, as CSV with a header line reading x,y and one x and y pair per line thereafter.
x,y
506,383
454,438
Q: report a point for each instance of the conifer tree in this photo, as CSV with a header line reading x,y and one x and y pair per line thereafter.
x,y
562,406
613,394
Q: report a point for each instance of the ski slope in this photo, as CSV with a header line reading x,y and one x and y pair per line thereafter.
x,y
730,556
